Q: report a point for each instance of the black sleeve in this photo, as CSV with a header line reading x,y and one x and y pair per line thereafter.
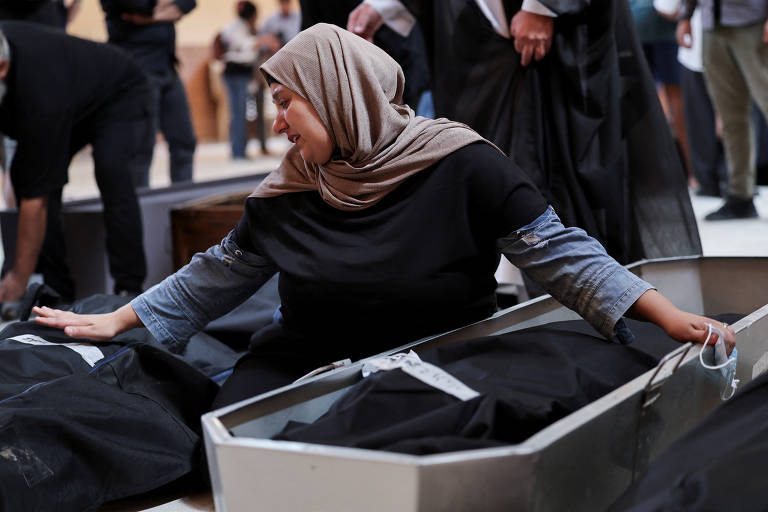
x,y
42,156
243,234
501,191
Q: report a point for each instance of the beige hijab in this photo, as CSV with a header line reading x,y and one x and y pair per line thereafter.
x,y
357,90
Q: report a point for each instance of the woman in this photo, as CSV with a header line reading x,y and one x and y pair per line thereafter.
x,y
385,227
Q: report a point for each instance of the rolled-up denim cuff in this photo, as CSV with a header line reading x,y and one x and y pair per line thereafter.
x,y
155,325
611,325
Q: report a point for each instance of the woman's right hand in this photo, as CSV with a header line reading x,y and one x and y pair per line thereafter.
x,y
94,327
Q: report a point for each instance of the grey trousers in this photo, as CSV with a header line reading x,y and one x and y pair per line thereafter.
x,y
736,71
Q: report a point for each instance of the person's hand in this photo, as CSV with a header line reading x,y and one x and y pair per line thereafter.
x,y
532,34
94,327
683,33
685,327
12,287
364,21
165,12
652,306
137,19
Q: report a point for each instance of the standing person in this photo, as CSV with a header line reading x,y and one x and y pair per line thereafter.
x,y
562,87
735,58
61,93
706,149
657,37
376,215
145,29
243,48
284,24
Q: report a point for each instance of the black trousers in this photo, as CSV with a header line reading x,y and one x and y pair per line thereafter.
x,y
707,154
122,152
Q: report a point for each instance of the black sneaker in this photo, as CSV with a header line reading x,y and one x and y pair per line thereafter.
x,y
734,208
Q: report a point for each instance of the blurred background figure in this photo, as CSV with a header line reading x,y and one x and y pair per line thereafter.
x,y
284,24
704,145
52,13
656,31
735,59
146,31
242,49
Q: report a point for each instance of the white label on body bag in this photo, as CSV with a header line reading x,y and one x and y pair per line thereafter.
x,y
90,353
426,372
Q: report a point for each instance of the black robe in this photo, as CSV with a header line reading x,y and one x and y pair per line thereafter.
x,y
585,122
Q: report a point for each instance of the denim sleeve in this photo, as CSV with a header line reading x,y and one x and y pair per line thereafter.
x,y
575,269
211,285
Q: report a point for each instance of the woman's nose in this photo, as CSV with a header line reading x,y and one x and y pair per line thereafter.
x,y
279,125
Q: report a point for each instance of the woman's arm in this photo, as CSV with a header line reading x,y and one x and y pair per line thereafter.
x,y
575,269
211,285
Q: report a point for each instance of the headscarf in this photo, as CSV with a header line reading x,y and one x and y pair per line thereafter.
x,y
357,90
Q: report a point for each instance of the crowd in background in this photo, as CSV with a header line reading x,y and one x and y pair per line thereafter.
x,y
710,62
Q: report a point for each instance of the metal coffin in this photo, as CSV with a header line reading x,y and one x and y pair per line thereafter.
x,y
582,462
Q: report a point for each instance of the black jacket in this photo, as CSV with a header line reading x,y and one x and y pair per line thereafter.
x,y
152,45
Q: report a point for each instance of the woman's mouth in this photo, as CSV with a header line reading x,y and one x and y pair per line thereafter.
x,y
293,138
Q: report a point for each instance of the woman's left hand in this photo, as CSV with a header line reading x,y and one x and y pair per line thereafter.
x,y
680,325
684,327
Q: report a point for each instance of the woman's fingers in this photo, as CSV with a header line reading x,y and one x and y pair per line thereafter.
x,y
61,319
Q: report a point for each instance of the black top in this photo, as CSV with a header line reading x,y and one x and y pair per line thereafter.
x,y
46,12
420,261
153,45
59,87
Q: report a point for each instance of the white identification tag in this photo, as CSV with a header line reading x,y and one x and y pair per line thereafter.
x,y
89,353
426,372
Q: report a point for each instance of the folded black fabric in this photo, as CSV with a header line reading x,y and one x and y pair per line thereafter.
x,y
527,380
720,465
125,426
83,423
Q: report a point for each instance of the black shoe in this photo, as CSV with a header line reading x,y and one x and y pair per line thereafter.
x,y
734,208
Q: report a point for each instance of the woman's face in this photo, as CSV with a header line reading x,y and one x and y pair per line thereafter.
x,y
298,119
